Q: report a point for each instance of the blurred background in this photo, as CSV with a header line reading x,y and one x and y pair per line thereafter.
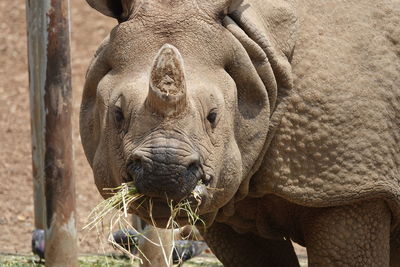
x,y
88,29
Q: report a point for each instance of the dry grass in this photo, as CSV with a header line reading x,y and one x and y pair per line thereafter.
x,y
120,200
113,212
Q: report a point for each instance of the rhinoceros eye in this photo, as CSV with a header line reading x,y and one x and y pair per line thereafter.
x,y
118,116
212,116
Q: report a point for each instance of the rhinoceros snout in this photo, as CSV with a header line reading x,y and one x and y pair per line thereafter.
x,y
165,173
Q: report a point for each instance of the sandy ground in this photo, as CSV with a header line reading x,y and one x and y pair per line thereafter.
x,y
88,28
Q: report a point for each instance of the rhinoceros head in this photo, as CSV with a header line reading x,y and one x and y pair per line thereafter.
x,y
173,103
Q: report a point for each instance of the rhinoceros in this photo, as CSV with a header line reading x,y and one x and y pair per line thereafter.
x,y
282,116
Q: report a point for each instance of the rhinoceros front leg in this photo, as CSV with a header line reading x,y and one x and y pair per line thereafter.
x,y
244,250
354,235
158,252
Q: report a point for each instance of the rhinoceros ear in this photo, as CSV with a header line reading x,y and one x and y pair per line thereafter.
x,y
253,114
225,6
119,9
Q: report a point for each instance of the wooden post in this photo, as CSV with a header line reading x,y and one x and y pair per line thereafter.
x,y
52,154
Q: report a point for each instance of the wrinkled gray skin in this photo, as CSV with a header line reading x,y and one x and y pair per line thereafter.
x,y
283,116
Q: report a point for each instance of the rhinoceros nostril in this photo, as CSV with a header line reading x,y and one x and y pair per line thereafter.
x,y
192,161
194,169
193,166
134,168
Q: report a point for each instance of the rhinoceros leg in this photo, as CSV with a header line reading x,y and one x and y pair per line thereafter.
x,y
354,235
243,250
156,255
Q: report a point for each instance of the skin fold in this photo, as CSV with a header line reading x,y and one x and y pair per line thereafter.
x,y
282,116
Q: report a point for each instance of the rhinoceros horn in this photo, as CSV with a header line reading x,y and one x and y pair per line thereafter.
x,y
167,87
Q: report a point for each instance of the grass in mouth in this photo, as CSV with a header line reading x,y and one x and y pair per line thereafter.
x,y
122,197
116,209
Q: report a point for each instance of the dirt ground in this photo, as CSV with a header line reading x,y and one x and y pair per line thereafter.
x,y
102,261
88,28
